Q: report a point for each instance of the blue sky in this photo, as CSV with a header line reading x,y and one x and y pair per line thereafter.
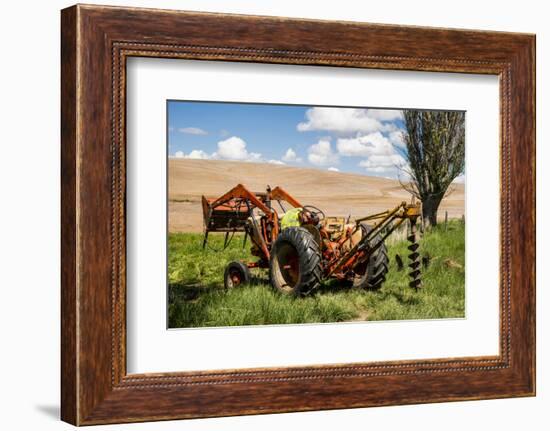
x,y
358,140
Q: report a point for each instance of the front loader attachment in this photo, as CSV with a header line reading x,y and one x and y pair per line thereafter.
x,y
232,211
229,216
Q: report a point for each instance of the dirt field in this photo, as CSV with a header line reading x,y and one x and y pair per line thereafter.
x,y
335,193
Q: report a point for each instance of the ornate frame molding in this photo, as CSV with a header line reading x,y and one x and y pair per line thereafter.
x,y
96,41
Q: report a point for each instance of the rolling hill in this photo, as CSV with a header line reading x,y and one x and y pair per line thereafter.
x,y
335,193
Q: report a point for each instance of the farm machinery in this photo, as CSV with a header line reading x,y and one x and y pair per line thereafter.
x,y
301,246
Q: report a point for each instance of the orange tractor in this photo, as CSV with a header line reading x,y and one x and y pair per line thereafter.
x,y
302,246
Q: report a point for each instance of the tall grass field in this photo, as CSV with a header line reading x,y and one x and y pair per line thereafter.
x,y
197,297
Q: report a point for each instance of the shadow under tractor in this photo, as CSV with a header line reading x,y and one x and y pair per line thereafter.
x,y
301,247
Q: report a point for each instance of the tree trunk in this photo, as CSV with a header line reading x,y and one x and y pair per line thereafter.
x,y
429,208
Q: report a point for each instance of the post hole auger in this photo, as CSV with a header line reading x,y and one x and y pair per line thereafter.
x,y
302,246
414,257
385,223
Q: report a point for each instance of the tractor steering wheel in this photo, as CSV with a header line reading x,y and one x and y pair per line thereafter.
x,y
315,211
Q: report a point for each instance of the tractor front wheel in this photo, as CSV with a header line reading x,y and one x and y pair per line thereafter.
x,y
236,274
295,262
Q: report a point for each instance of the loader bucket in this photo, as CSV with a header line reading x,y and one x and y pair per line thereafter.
x,y
229,216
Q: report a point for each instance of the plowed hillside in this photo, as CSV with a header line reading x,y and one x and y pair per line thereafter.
x,y
335,193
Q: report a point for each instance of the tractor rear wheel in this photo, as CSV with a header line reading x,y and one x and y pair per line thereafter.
x,y
236,274
295,262
372,274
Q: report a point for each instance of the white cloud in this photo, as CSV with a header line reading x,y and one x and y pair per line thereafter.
x,y
290,156
379,153
333,169
342,120
396,138
198,154
461,179
321,153
276,162
365,145
393,166
195,154
371,134
385,114
382,163
193,131
234,148
349,120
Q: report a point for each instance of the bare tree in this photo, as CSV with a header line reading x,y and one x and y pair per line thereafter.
x,y
434,142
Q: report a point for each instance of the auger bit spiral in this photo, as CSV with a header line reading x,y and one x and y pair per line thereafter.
x,y
414,257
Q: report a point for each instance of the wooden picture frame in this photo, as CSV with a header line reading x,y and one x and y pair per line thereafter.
x,y
95,43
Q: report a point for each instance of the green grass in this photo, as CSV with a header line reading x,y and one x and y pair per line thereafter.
x,y
197,297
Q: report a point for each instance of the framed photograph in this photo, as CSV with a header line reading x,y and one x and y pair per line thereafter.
x,y
264,215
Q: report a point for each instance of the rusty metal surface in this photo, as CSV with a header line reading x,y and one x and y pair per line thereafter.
x,y
343,246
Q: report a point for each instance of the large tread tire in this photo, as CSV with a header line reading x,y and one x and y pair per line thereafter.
x,y
376,267
295,262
